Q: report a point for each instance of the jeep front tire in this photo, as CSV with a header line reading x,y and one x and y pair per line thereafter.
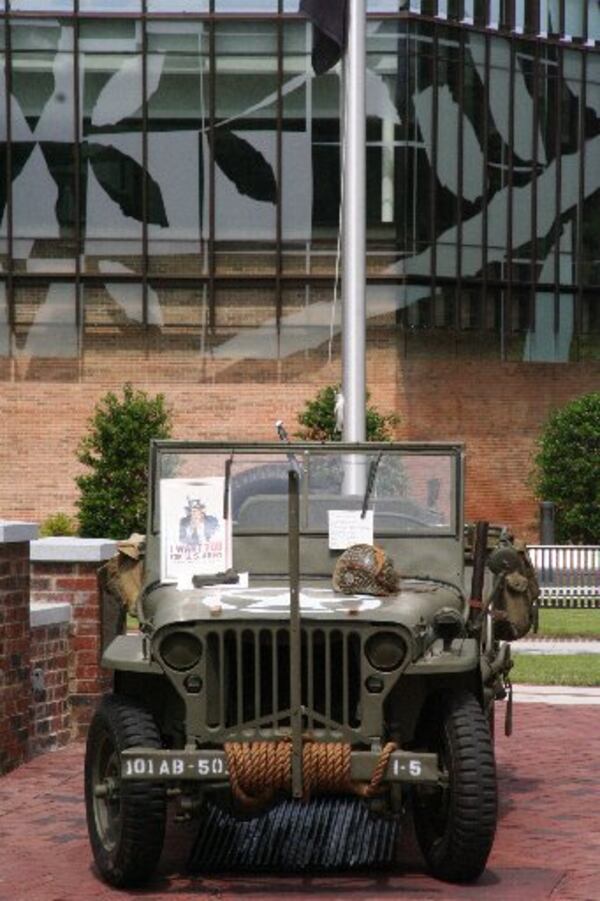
x,y
126,820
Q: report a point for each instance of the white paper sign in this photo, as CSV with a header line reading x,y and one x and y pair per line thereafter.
x,y
195,537
347,527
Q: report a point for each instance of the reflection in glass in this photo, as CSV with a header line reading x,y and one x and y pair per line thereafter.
x,y
551,336
115,6
178,90
43,129
112,176
45,6
46,321
181,341
178,6
4,326
113,329
589,342
245,146
4,262
245,324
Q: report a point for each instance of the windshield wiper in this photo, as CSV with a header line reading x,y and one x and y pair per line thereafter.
x,y
370,483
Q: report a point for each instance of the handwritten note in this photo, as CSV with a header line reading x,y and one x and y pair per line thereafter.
x,y
347,527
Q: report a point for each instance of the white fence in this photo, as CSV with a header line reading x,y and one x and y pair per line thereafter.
x,y
568,575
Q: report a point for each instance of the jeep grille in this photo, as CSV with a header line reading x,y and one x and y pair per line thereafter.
x,y
247,678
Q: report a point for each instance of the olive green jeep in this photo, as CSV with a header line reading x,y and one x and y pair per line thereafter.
x,y
252,679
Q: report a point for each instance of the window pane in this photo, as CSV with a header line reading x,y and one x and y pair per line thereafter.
x,y
297,175
178,92
593,29
178,6
115,6
246,330
589,342
43,130
387,49
3,175
114,335
245,147
4,329
46,321
40,5
180,344
591,207
112,166
550,335
243,6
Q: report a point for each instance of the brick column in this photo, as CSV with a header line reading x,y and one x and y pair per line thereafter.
x,y
64,570
15,639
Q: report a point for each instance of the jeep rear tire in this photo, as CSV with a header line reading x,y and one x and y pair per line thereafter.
x,y
126,820
455,824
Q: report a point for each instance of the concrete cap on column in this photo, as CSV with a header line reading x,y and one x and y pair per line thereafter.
x,y
12,532
72,550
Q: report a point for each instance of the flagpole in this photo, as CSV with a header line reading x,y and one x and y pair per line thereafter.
x,y
354,226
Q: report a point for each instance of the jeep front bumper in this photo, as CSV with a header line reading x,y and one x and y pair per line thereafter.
x,y
143,764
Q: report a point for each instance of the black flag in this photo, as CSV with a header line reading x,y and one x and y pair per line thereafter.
x,y
329,18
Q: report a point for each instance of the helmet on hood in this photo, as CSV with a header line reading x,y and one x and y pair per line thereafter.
x,y
365,569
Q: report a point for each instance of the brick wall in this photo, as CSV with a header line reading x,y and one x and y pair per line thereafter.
x,y
15,638
496,408
50,711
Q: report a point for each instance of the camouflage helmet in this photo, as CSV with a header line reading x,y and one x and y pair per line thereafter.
x,y
365,569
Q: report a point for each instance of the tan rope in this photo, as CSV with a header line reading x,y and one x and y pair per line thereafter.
x,y
326,768
374,786
259,770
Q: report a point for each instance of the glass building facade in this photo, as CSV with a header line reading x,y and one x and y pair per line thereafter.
x,y
169,182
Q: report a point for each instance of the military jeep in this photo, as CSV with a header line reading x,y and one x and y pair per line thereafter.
x,y
252,680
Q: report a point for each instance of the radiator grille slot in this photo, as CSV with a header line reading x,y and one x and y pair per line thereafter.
x,y
247,677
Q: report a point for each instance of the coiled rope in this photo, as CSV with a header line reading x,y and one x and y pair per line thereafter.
x,y
260,770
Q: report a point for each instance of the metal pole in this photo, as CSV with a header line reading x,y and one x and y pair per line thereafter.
x,y
295,632
547,511
354,155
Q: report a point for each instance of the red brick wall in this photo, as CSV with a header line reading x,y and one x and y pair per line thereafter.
x,y
50,726
15,677
76,584
496,408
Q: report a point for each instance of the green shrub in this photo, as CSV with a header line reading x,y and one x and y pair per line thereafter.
x,y
58,524
567,469
113,496
318,419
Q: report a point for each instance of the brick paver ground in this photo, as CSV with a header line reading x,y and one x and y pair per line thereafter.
x,y
547,845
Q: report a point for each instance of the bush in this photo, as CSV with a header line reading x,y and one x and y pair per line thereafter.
x,y
318,419
567,469
113,496
58,524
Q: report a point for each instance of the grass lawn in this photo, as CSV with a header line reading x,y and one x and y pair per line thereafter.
x,y
584,623
556,669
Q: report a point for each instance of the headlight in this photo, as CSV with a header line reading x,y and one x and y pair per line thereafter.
x,y
385,651
181,650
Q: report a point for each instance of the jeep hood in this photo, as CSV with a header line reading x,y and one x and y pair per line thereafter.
x,y
417,600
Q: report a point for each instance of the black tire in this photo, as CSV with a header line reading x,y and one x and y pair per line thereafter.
x,y
127,827
455,825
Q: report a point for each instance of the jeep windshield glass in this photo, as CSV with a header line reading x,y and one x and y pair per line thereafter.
x,y
410,493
